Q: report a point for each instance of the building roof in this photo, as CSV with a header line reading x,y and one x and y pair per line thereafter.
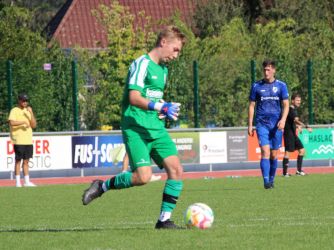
x,y
74,24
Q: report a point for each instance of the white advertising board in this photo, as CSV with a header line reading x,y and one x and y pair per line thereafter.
x,y
213,147
50,153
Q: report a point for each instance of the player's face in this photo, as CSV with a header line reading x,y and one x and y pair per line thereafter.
x,y
297,101
171,49
269,73
23,104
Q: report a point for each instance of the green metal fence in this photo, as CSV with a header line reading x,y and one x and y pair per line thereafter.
x,y
54,92
50,92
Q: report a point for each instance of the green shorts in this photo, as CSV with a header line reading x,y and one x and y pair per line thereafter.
x,y
142,150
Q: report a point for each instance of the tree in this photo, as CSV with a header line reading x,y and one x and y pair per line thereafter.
x,y
50,92
42,10
15,33
210,16
111,65
225,76
304,12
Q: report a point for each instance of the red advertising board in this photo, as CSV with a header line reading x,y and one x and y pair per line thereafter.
x,y
254,151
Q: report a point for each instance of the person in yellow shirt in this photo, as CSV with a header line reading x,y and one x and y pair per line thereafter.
x,y
21,122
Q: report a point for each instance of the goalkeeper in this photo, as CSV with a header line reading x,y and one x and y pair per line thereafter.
x,y
144,134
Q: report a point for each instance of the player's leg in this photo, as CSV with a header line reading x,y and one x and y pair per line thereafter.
x,y
125,164
18,159
173,187
140,162
139,176
301,153
140,173
263,137
164,154
275,143
273,166
289,144
28,152
285,164
17,172
265,165
26,172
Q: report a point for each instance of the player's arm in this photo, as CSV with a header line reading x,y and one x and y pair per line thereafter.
x,y
136,99
301,124
13,122
33,122
285,113
18,123
251,109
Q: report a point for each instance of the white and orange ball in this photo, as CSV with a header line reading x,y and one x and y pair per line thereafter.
x,y
199,215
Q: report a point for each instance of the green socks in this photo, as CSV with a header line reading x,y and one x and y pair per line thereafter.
x,y
120,181
171,194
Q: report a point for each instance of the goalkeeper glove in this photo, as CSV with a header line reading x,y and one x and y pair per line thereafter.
x,y
169,109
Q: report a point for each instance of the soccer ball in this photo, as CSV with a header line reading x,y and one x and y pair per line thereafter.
x,y
199,215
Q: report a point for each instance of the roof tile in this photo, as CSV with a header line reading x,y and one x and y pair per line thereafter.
x,y
74,23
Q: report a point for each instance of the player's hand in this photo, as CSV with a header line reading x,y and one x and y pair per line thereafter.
x,y
166,109
26,124
161,116
281,124
170,110
29,109
250,131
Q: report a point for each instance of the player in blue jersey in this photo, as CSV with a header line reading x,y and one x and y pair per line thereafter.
x,y
271,98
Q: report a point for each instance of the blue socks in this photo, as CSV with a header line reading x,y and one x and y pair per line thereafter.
x,y
268,169
272,172
265,169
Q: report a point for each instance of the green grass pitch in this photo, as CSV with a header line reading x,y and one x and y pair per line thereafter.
x,y
297,214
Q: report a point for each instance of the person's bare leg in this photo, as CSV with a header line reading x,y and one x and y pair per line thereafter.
x,y
27,182
17,173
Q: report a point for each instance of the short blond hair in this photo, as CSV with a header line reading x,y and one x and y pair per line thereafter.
x,y
170,32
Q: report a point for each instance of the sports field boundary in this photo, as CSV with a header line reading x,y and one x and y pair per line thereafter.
x,y
186,175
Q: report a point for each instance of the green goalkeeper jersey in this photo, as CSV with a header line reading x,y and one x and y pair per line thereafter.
x,y
149,79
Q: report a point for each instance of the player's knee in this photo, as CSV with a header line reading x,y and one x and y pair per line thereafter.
x,y
176,171
265,152
141,176
273,156
301,151
265,155
143,179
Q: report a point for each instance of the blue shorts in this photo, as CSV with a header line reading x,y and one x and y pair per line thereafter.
x,y
271,137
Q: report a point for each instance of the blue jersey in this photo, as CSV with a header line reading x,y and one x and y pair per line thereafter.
x,y
268,98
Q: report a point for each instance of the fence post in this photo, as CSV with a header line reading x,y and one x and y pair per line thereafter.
x,y
253,78
75,95
309,88
253,71
9,84
196,97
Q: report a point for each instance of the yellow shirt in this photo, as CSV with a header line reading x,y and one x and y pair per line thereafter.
x,y
20,135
